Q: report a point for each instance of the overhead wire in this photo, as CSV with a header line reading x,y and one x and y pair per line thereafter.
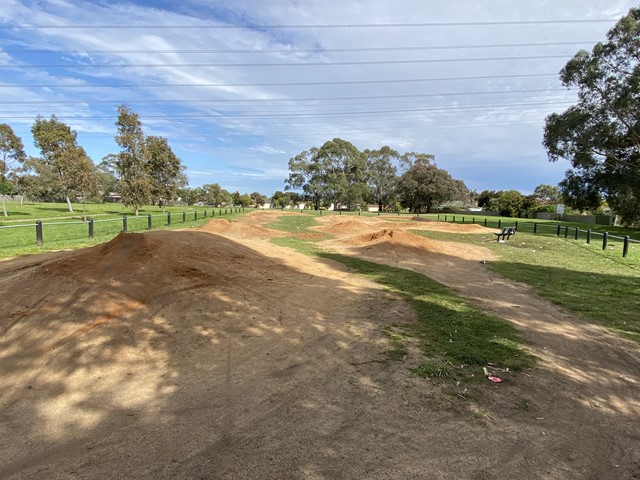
x,y
301,50
278,64
279,84
306,26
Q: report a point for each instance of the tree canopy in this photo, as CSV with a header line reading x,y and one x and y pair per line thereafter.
x,y
600,134
11,153
60,150
147,168
424,186
338,173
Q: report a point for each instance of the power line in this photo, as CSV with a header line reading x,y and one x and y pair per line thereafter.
x,y
309,50
266,100
283,64
222,116
276,84
306,26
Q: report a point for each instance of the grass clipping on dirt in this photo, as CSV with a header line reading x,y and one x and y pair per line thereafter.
x,y
457,339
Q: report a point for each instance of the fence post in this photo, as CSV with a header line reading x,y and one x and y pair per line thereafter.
x,y
454,219
625,247
438,216
184,217
566,231
605,238
577,233
204,213
499,223
168,218
149,222
463,220
485,222
91,228
445,218
39,233
195,215
558,231
124,224
588,236
516,225
473,220
535,227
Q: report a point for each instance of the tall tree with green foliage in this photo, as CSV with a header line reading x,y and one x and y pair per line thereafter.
x,y
409,159
60,150
131,163
307,172
600,135
382,175
424,186
215,195
11,154
334,173
546,194
165,169
509,203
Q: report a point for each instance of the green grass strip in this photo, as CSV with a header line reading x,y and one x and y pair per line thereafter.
x,y
452,331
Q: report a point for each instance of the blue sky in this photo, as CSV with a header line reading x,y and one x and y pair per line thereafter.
x,y
240,87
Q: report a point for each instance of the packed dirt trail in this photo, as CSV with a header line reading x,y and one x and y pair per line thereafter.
x,y
213,353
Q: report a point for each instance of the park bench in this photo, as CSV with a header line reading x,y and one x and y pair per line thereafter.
x,y
505,233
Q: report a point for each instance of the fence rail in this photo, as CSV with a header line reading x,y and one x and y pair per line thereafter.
x,y
36,233
557,229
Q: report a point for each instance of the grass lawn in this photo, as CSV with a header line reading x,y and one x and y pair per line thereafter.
x,y
64,230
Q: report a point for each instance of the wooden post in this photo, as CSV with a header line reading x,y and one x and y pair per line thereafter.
x,y
605,238
124,224
91,228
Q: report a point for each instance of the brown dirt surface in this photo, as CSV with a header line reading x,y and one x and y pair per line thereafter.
x,y
191,354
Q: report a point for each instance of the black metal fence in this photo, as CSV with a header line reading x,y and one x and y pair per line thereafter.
x,y
557,229
54,232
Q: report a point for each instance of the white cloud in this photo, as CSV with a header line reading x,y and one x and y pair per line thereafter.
x,y
223,118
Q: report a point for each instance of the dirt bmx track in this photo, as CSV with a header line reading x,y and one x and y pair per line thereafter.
x,y
212,353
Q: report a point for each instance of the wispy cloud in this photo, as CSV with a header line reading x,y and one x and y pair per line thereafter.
x,y
212,92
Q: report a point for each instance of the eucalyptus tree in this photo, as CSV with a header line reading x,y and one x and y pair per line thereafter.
x,y
130,164
60,150
424,186
600,134
382,175
11,156
165,170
